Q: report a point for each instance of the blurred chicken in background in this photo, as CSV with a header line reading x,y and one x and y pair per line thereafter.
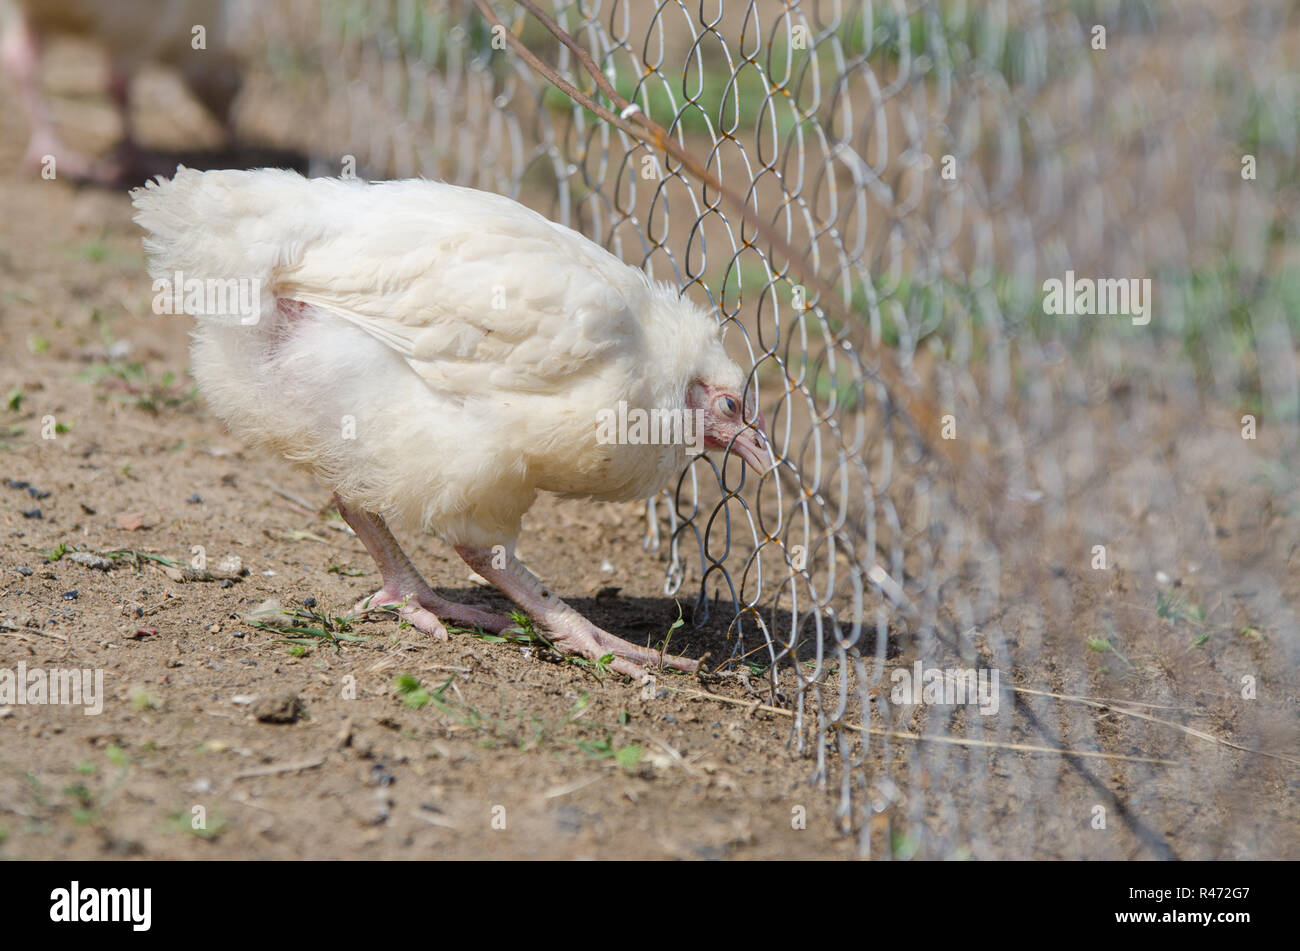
x,y
135,33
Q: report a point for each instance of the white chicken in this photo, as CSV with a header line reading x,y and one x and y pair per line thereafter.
x,y
437,356
133,32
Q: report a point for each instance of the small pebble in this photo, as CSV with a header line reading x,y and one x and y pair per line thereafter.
x,y
283,708
309,603
33,513
269,612
71,595
24,571
89,560
195,499
379,809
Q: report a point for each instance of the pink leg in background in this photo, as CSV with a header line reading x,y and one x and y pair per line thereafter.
x,y
21,52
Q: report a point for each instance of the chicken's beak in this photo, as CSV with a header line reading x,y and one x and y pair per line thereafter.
x,y
752,445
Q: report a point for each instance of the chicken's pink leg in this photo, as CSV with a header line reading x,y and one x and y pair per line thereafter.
x,y
21,52
402,584
127,155
565,626
22,59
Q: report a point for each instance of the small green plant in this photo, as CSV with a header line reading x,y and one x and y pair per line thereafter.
x,y
142,698
668,638
905,845
212,825
87,805
1177,608
337,569
1104,645
132,555
83,810
309,626
94,250
627,756
460,711
412,692
131,383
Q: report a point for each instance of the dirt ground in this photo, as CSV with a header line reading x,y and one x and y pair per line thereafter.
x,y
498,753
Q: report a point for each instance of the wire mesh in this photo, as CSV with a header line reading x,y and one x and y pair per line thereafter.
x,y
1065,500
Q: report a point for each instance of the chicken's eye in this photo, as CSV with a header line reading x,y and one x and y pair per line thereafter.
x,y
730,406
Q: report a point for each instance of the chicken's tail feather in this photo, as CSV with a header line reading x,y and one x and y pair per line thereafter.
x,y
217,240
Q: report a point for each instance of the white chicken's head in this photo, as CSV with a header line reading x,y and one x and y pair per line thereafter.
x,y
730,416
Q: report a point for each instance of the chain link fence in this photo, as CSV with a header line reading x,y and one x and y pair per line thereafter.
x,y
1092,511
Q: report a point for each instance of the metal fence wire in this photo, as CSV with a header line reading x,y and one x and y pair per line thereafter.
x,y
1099,509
